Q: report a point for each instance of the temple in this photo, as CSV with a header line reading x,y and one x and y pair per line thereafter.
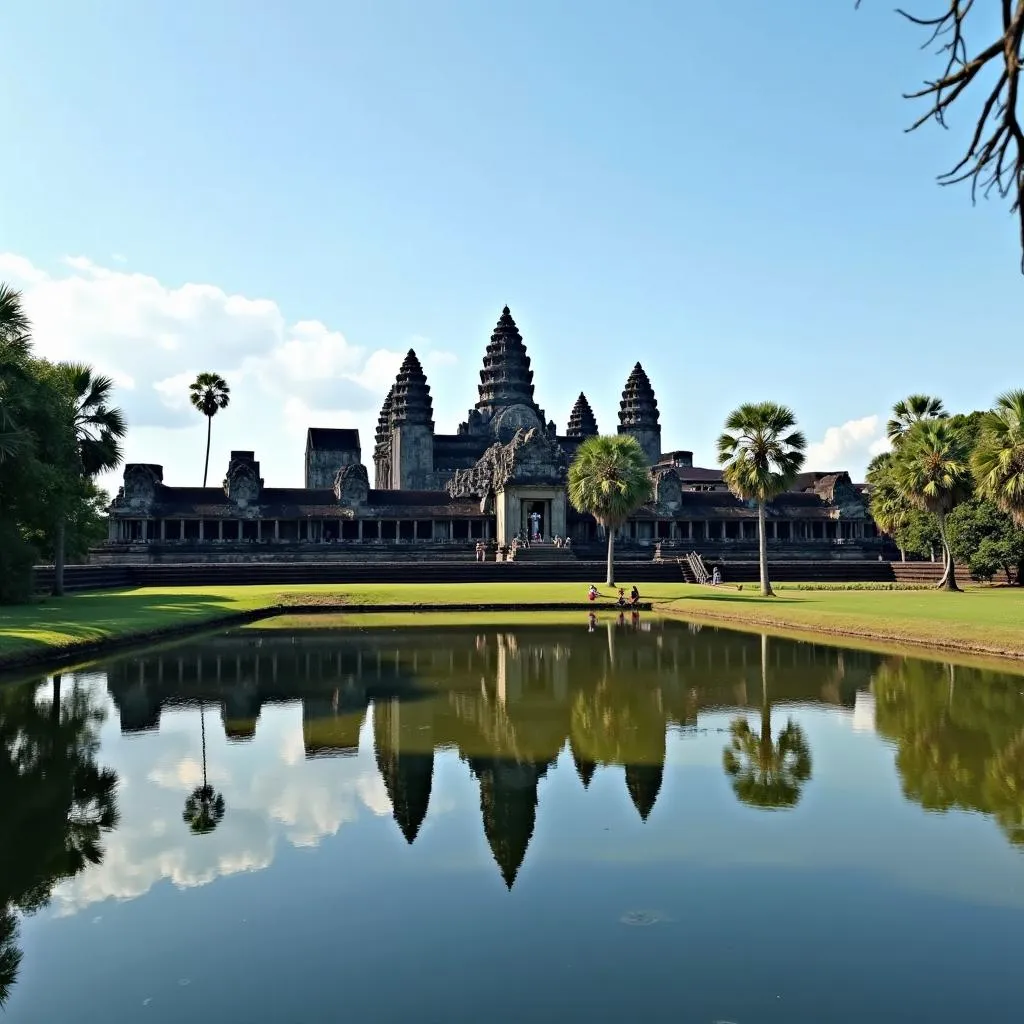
x,y
501,474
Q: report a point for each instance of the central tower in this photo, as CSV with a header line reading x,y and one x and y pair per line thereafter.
x,y
506,386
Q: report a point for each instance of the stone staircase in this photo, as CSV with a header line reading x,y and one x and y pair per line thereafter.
x,y
546,554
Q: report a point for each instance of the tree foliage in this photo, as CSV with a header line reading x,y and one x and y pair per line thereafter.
x,y
609,479
209,393
58,427
761,453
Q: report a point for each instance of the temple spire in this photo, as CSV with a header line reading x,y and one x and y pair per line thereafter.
x,y
410,400
639,407
384,419
506,378
581,420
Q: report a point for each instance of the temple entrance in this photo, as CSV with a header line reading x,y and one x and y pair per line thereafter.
x,y
536,519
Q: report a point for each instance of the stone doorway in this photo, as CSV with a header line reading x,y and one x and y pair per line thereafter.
x,y
536,517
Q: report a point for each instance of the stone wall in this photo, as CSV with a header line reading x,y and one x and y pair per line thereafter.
x,y
323,464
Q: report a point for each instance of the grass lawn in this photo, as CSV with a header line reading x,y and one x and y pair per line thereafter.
x,y
982,620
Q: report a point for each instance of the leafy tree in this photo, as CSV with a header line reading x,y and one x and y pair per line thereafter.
x,y
993,160
986,539
761,452
209,393
998,457
911,410
97,428
931,471
609,479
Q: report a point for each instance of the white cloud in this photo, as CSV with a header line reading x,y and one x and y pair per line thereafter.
x,y
849,446
153,339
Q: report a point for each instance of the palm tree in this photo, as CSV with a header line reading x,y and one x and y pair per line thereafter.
x,y
209,393
97,429
761,453
910,410
766,774
998,457
609,479
15,346
15,328
889,509
931,471
204,807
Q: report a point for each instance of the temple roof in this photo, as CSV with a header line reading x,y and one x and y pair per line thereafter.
x,y
335,439
582,422
639,407
506,378
410,402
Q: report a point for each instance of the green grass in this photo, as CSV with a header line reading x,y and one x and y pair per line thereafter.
x,y
982,620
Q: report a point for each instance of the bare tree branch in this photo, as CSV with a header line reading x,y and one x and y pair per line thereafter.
x,y
994,158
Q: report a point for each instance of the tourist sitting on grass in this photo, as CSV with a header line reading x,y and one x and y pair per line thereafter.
x,y
634,596
621,602
592,593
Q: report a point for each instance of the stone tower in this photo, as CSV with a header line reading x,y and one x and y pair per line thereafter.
x,y
412,428
638,414
581,420
506,385
382,445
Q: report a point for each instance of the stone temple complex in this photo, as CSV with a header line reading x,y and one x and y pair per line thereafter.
x,y
502,473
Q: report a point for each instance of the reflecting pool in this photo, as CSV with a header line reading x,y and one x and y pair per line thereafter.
x,y
622,820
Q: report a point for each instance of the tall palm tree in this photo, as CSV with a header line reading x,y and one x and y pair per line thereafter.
x,y
204,807
998,457
767,774
761,452
209,393
910,410
609,479
931,471
97,430
889,509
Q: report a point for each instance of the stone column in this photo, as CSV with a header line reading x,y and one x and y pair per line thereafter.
x,y
277,529
359,527
202,529
181,529
220,529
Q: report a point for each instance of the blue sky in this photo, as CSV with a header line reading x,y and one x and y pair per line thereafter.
x,y
723,191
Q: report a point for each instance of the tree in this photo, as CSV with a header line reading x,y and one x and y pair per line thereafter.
x,y
931,471
609,479
993,160
998,456
96,431
986,539
766,773
761,453
204,807
911,410
209,393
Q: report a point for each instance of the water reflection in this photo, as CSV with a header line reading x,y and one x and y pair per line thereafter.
x,y
610,698
57,802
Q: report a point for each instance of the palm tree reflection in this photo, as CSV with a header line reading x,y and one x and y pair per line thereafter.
x,y
764,773
204,807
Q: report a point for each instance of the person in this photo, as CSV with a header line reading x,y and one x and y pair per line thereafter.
x,y
567,543
622,597
716,576
634,596
592,593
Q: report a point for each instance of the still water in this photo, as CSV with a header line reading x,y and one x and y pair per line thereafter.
x,y
638,821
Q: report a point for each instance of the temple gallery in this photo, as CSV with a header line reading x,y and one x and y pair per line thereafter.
x,y
501,474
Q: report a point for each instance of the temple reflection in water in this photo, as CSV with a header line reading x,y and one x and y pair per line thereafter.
x,y
508,701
